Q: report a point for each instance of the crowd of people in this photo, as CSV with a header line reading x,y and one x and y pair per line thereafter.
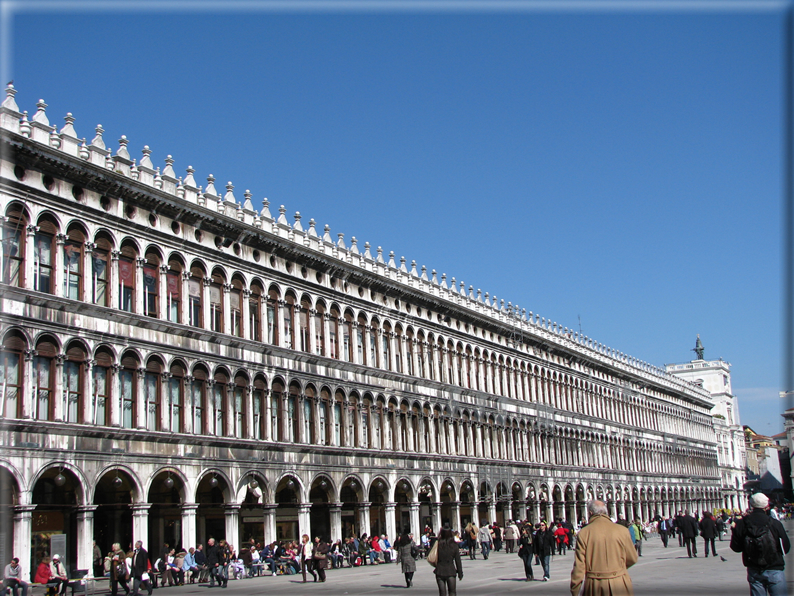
x,y
597,544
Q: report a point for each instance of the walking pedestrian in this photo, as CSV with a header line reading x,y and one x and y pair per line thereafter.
x,y
525,551
407,552
485,540
448,566
689,528
307,554
708,529
140,570
543,545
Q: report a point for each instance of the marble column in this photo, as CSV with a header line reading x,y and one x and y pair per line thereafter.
x,y
23,526
455,516
304,520
391,526
140,524
362,519
415,527
435,509
270,523
336,521
85,537
189,536
492,511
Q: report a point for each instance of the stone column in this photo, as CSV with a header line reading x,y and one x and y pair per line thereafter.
x,y
29,277
336,521
362,518
140,524
184,298
205,302
232,513
57,281
391,526
304,520
85,537
455,515
139,292
28,396
435,510
270,523
492,510
415,526
162,293
140,403
520,510
189,535
226,305
23,525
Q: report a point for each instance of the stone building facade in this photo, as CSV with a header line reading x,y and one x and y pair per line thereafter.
x,y
178,364
715,377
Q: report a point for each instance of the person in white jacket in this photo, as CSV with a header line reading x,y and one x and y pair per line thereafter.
x,y
307,552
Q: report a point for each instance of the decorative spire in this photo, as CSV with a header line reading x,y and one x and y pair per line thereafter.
x,y
9,102
24,125
248,204
266,209
189,179
367,253
211,186
68,128
282,216
97,141
354,245
327,234
380,255
146,160
169,168
40,116
229,196
414,272
312,229
84,153
122,150
297,225
341,242
392,264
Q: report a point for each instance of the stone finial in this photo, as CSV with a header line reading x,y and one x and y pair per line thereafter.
x,y
282,216
434,277
367,253
40,116
84,154
248,204
229,196
122,150
443,279
471,291
189,179
501,304
180,188
354,245
158,179
479,295
68,128
24,125
487,299
109,163
169,168
211,186
392,264
297,225
9,102
134,173
414,272
453,286
312,228
146,160
403,268
379,258
424,273
266,209
97,141
341,242
327,234
55,140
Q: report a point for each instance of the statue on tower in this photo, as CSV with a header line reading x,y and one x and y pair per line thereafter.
x,y
698,349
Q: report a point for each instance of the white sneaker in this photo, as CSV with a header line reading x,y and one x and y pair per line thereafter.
x,y
545,579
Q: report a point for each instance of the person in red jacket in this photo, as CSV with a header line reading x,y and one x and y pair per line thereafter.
x,y
561,535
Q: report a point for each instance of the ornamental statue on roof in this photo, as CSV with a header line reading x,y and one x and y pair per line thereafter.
x,y
698,349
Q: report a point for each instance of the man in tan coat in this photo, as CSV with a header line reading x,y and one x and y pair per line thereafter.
x,y
604,552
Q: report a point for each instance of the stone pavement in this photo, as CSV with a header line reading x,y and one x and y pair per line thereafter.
x,y
659,571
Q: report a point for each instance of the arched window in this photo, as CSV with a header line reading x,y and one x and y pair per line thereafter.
x,y
366,409
255,312
338,419
73,372
176,401
334,333
43,372
14,345
219,404
398,357
359,334
276,409
352,418
272,322
100,271
102,384
305,306
151,285
216,302
288,317
323,413
153,395
347,337
236,307
173,288
198,396
43,257
409,352
127,264
73,246
377,436
371,332
319,331
293,429
385,347
238,406
196,294
260,407
308,417
128,376
14,230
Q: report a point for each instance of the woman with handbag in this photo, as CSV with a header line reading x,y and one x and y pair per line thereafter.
x,y
447,563
307,557
406,555
321,549
525,552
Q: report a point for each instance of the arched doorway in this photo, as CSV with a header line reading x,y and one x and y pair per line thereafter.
x,y
166,494
466,504
113,496
252,515
377,510
350,497
403,496
287,501
447,512
320,513
483,504
211,497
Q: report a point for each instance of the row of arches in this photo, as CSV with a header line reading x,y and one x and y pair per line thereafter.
x,y
69,260
127,388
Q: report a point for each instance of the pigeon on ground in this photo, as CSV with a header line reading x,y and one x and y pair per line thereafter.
x,y
723,559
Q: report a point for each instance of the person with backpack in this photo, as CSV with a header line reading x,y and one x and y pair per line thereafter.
x,y
762,542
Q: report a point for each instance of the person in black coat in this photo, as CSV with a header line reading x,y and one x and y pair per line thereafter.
x,y
449,565
762,575
708,529
689,528
543,544
525,551
678,524
140,565
213,555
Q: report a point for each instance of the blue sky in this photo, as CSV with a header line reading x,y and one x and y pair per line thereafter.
x,y
619,165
